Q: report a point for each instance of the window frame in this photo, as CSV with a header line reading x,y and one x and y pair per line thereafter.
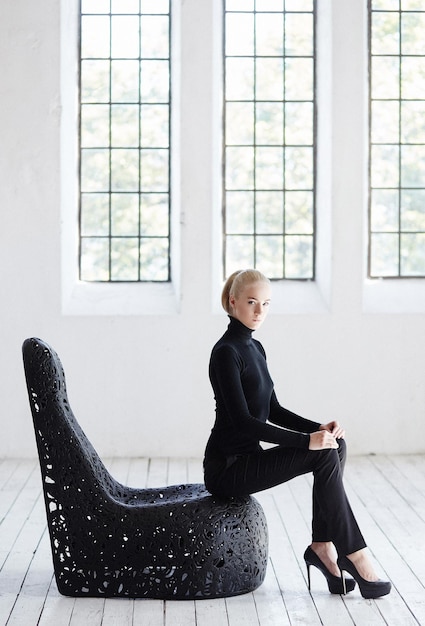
x,y
389,295
398,275
111,238
99,299
284,236
292,297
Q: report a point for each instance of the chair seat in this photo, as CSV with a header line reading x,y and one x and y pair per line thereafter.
x,y
107,539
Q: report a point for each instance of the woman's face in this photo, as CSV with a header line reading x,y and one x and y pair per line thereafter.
x,y
252,304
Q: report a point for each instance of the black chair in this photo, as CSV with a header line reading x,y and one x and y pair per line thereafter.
x,y
110,540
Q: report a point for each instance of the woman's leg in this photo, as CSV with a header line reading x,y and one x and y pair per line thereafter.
x,y
320,530
333,519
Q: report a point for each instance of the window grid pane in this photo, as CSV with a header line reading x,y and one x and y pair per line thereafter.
x,y
269,138
397,139
125,141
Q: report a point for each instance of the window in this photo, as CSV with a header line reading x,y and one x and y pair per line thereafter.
x,y
397,139
125,141
269,137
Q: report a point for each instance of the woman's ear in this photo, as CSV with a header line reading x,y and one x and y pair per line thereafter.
x,y
232,301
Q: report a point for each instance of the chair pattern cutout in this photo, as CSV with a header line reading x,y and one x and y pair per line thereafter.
x,y
107,539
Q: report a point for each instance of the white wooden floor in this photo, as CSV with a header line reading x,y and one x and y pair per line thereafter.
x,y
387,495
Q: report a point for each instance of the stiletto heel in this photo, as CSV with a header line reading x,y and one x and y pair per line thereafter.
x,y
344,587
368,589
335,584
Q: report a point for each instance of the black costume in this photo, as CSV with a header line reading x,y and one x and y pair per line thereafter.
x,y
247,412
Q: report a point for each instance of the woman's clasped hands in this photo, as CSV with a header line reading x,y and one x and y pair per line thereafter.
x,y
326,437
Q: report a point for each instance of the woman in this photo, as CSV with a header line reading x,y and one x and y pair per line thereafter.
x,y
248,412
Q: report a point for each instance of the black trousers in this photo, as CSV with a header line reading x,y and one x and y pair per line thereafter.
x,y
333,519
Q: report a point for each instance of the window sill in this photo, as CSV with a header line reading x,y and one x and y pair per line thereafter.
x,y
394,296
120,299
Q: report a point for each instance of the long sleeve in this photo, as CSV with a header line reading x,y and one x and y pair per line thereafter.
x,y
283,417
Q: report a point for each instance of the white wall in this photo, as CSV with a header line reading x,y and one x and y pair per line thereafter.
x,y
342,348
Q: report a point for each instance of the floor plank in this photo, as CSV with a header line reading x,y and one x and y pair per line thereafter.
x,y
387,497
57,610
87,611
178,612
211,612
149,612
32,595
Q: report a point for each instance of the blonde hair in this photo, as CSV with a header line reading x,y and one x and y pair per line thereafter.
x,y
237,283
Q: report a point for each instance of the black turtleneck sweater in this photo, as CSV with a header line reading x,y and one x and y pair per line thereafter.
x,y
246,401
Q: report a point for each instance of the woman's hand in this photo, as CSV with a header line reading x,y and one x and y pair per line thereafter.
x,y
334,428
322,440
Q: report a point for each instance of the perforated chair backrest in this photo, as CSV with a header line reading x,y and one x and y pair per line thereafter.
x,y
67,458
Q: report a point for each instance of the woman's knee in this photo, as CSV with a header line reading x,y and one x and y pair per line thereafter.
x,y
329,462
342,451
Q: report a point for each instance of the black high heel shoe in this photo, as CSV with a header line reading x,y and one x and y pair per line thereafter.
x,y
335,583
368,589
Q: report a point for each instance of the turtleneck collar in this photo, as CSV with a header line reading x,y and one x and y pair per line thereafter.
x,y
239,330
